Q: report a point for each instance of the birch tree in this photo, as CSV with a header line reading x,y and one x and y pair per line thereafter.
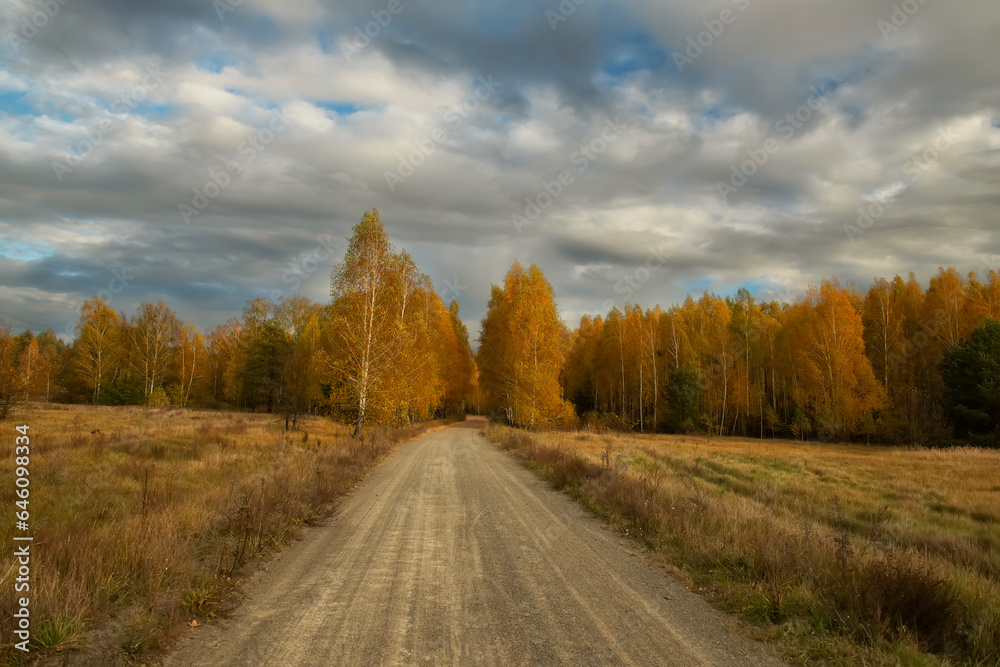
x,y
366,304
522,346
153,334
98,344
191,359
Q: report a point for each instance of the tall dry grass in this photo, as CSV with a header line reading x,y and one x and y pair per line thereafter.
x,y
842,554
144,519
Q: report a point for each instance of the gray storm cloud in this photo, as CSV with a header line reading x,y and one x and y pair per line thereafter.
x,y
358,106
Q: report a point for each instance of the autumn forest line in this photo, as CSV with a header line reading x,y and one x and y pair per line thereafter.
x,y
891,364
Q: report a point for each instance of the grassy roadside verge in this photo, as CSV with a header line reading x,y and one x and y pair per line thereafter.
x,y
145,519
843,555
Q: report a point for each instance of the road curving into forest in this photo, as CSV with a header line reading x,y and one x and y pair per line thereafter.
x,y
450,553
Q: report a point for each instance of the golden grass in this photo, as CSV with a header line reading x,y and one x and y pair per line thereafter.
x,y
841,553
146,518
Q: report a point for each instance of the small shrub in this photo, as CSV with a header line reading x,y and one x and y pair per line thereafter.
x,y
200,602
58,634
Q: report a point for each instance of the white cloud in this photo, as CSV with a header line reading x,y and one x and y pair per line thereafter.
x,y
656,183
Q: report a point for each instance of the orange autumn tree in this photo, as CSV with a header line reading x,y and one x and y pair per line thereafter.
x,y
991,296
651,355
301,380
152,335
834,377
579,376
99,345
366,306
614,366
417,383
190,361
362,340
522,346
390,352
718,360
455,357
12,387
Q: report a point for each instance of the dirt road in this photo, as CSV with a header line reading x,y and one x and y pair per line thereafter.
x,y
451,553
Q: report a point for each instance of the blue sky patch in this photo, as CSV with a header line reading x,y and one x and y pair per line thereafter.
x,y
26,252
695,286
214,64
339,108
13,102
635,52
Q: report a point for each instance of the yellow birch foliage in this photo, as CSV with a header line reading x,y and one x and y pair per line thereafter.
x,y
835,378
521,352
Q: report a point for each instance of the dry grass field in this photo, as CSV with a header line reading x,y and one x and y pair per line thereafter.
x,y
144,519
842,554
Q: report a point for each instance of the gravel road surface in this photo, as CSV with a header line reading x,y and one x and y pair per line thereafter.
x,y
450,553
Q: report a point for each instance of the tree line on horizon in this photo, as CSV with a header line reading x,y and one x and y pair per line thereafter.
x,y
892,364
384,350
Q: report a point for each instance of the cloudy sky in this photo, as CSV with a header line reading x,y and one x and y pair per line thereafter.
x,y
209,153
